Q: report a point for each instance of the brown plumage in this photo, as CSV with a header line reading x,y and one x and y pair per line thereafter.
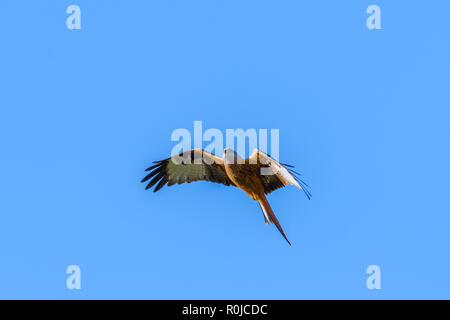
x,y
257,175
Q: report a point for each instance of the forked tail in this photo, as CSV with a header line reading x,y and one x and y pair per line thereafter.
x,y
268,214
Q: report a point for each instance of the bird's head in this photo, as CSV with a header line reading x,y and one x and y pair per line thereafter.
x,y
230,156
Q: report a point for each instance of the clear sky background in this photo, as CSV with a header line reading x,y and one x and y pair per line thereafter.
x,y
363,114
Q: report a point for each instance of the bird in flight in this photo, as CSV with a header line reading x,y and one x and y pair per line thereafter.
x,y
257,175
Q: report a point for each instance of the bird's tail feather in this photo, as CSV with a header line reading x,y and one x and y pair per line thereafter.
x,y
268,214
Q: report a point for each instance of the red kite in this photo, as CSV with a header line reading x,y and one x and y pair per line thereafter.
x,y
257,175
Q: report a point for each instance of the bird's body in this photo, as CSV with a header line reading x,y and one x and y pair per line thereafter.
x,y
246,177
257,175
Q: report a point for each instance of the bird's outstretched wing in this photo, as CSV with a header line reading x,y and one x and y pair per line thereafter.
x,y
275,175
188,166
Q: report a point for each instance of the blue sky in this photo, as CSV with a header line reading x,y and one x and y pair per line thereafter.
x,y
363,114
